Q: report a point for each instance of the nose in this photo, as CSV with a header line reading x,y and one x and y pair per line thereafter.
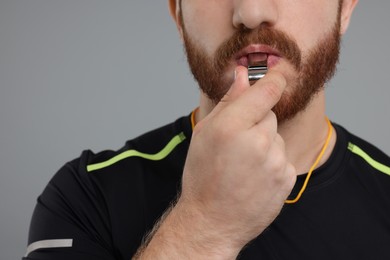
x,y
254,13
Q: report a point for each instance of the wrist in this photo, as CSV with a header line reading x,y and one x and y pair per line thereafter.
x,y
186,233
204,234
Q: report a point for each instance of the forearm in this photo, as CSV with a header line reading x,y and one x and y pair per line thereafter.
x,y
183,233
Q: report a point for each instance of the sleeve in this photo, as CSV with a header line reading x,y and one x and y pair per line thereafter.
x,y
70,220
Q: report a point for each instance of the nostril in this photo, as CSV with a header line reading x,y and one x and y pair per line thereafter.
x,y
254,13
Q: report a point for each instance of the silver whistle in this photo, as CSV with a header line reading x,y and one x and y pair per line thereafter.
x,y
256,72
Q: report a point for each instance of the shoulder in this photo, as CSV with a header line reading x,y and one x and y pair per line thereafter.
x,y
134,171
367,154
367,165
111,198
155,145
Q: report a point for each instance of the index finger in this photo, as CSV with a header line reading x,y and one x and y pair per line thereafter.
x,y
255,103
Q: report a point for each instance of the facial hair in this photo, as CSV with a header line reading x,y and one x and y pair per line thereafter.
x,y
312,72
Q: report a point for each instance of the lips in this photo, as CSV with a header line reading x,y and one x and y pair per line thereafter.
x,y
257,54
255,58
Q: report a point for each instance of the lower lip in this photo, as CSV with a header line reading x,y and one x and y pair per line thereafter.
x,y
272,60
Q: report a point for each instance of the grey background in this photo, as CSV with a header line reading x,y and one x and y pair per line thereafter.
x,y
92,74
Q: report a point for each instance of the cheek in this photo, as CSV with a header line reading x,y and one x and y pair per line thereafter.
x,y
309,21
207,22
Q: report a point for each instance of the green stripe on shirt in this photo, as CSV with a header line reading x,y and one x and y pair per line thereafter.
x,y
377,165
175,141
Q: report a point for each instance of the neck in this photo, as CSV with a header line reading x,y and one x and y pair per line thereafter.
x,y
304,135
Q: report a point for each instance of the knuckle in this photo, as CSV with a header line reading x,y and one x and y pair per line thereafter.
x,y
277,167
263,144
291,176
270,121
278,163
288,179
279,140
272,117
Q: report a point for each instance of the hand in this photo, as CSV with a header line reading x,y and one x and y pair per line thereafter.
x,y
235,180
237,177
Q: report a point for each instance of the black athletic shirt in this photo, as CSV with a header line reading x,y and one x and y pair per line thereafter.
x,y
100,206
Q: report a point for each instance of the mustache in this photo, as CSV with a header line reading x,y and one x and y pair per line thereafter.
x,y
243,37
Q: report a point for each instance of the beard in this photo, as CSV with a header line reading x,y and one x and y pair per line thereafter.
x,y
312,72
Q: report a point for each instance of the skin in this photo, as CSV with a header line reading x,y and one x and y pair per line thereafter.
x,y
248,152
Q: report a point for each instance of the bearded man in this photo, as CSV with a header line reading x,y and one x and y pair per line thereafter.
x,y
257,171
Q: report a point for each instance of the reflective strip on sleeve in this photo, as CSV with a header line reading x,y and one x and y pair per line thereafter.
x,y
50,243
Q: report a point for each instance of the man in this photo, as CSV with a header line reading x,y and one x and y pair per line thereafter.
x,y
234,179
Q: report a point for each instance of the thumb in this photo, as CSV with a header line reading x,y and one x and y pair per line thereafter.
x,y
240,84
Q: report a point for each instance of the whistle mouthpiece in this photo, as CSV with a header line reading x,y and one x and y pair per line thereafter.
x,y
256,72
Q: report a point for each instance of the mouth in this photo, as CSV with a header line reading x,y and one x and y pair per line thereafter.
x,y
257,54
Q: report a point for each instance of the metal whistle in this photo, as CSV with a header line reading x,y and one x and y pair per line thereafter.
x,y
256,72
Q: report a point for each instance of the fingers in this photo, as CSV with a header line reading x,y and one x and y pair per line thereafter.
x,y
283,172
238,148
287,171
255,103
249,105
